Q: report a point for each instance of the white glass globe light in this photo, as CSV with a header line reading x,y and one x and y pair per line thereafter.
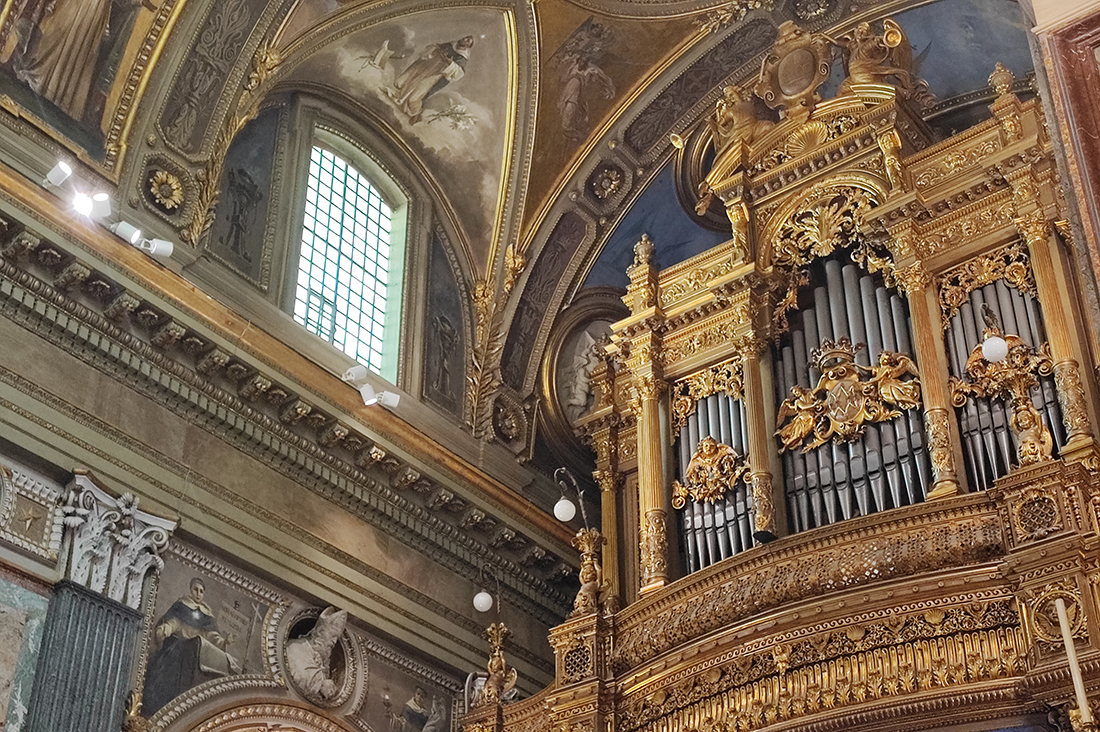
x,y
483,602
994,349
564,510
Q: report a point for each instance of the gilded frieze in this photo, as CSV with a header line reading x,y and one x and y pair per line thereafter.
x,y
964,156
966,225
807,569
892,656
1010,263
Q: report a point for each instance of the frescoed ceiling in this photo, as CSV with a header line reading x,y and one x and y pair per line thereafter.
x,y
540,131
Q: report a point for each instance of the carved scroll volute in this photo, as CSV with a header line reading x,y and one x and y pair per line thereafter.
x,y
797,65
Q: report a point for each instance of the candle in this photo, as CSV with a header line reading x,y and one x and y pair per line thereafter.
x,y
1074,666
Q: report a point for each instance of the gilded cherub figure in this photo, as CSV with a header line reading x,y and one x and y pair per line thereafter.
x,y
734,120
886,58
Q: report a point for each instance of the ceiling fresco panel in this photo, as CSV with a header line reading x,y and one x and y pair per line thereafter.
x,y
195,91
444,82
74,68
591,63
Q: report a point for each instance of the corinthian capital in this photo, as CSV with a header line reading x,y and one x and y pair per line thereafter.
x,y
1035,227
110,546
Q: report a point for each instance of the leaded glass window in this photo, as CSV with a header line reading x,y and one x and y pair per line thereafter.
x,y
344,265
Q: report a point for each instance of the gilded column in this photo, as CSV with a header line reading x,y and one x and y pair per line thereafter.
x,y
602,429
652,500
644,364
1038,231
940,425
761,445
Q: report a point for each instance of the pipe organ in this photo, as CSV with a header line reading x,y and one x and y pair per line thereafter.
x,y
859,436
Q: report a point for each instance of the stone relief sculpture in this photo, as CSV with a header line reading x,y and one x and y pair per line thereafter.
x,y
309,658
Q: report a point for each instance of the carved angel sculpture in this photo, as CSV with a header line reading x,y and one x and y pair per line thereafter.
x,y
887,380
871,58
502,678
734,120
802,409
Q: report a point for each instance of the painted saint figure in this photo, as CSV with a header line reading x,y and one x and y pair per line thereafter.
x,y
577,75
188,649
438,65
63,54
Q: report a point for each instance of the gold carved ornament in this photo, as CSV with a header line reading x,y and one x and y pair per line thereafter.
x,y
1009,263
726,378
593,587
847,396
1012,378
713,470
502,677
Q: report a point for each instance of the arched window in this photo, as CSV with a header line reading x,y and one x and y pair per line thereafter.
x,y
349,269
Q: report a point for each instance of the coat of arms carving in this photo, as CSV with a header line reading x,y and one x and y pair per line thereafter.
x,y
847,397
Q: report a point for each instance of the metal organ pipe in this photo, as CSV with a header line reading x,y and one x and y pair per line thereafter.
x,y
888,466
717,530
988,449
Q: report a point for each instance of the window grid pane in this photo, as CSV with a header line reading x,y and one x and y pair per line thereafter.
x,y
343,269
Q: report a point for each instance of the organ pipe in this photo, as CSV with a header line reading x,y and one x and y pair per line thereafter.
x,y
888,465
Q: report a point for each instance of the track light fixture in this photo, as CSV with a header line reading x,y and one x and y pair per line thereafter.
x,y
357,377
161,248
58,174
101,205
127,232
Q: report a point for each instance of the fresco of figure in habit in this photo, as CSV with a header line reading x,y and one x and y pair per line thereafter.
x,y
438,65
188,649
59,48
417,717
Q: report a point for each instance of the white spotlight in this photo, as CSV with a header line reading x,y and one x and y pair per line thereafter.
x,y
564,510
101,206
372,397
127,232
58,174
357,377
82,204
156,247
483,602
994,349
